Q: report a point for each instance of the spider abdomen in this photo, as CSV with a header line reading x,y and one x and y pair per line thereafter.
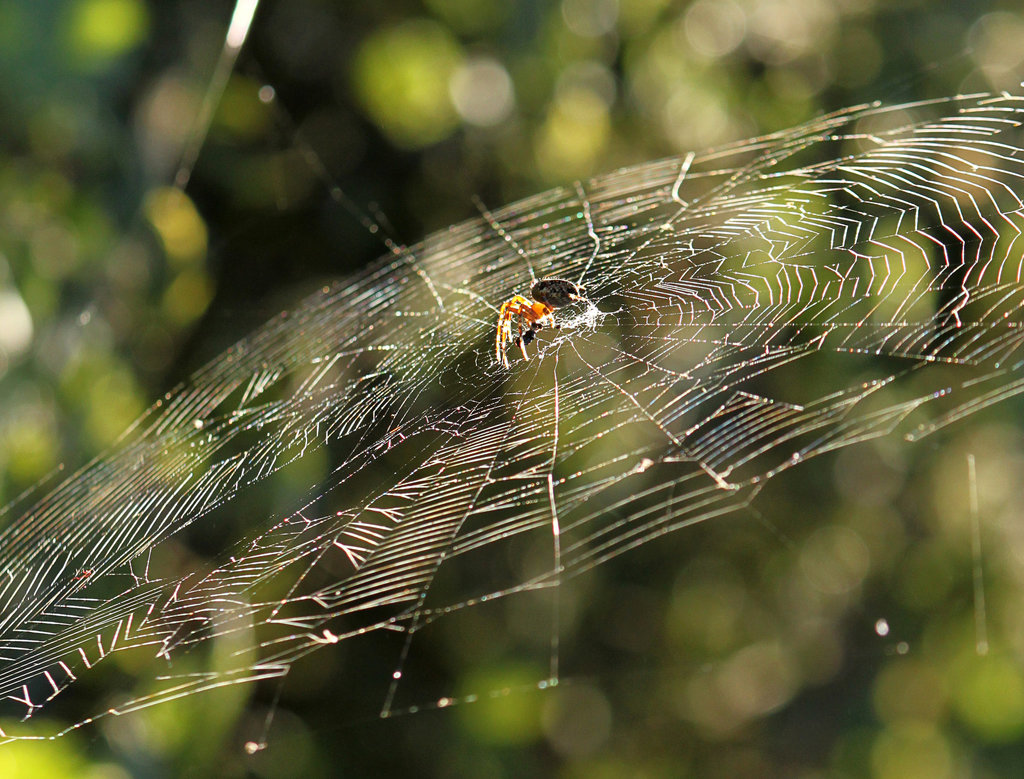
x,y
556,293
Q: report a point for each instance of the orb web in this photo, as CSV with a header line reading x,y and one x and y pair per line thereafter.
x,y
749,309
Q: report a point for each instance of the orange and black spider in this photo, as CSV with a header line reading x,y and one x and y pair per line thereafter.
x,y
547,294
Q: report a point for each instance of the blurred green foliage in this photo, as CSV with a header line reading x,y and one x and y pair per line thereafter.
x,y
113,285
99,31
402,76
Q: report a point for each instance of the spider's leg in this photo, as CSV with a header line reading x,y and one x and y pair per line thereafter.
x,y
520,341
503,334
497,336
506,336
520,308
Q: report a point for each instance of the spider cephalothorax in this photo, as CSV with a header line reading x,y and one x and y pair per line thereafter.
x,y
547,294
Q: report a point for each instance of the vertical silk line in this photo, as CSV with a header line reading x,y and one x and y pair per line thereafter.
x,y
556,536
980,617
238,31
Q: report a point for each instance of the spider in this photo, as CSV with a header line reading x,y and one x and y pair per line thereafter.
x,y
547,294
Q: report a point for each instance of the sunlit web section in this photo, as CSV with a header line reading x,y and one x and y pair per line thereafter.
x,y
749,308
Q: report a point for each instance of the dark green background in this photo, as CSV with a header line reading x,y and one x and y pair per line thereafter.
x,y
128,286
